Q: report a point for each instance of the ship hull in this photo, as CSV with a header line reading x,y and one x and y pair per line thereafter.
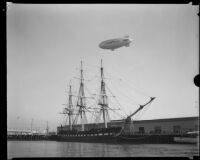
x,y
95,139
131,139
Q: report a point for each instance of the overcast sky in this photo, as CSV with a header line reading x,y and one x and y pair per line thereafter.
x,y
45,44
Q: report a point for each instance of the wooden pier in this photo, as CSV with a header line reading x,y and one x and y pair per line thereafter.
x,y
31,137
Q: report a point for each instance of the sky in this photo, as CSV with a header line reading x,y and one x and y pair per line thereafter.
x,y
46,42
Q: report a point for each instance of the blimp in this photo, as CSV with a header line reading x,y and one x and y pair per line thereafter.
x,y
113,44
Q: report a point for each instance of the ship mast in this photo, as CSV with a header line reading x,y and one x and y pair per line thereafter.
x,y
69,110
70,105
103,99
81,100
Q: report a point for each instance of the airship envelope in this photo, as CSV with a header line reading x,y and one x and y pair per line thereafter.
x,y
113,44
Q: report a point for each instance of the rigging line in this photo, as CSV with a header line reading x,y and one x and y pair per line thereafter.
x,y
128,88
137,91
122,77
76,118
88,64
95,115
91,118
125,95
66,121
98,117
73,121
115,98
88,110
92,114
96,101
118,114
108,116
93,105
93,78
88,90
115,112
62,119
84,118
133,102
97,90
88,104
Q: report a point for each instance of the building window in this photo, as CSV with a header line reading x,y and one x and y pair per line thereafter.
x,y
158,129
141,130
176,129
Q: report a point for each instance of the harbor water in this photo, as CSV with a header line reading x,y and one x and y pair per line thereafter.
x,y
75,149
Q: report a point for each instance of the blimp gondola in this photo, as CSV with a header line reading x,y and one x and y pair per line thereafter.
x,y
113,44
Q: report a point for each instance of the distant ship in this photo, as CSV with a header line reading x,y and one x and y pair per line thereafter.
x,y
103,132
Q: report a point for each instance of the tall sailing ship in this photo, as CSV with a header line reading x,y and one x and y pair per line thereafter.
x,y
101,132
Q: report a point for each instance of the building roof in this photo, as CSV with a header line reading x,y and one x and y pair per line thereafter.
x,y
161,120
167,119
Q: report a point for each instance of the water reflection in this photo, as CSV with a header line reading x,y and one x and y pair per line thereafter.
x,y
68,149
74,149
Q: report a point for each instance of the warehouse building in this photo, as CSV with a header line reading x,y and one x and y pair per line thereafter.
x,y
167,126
158,126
